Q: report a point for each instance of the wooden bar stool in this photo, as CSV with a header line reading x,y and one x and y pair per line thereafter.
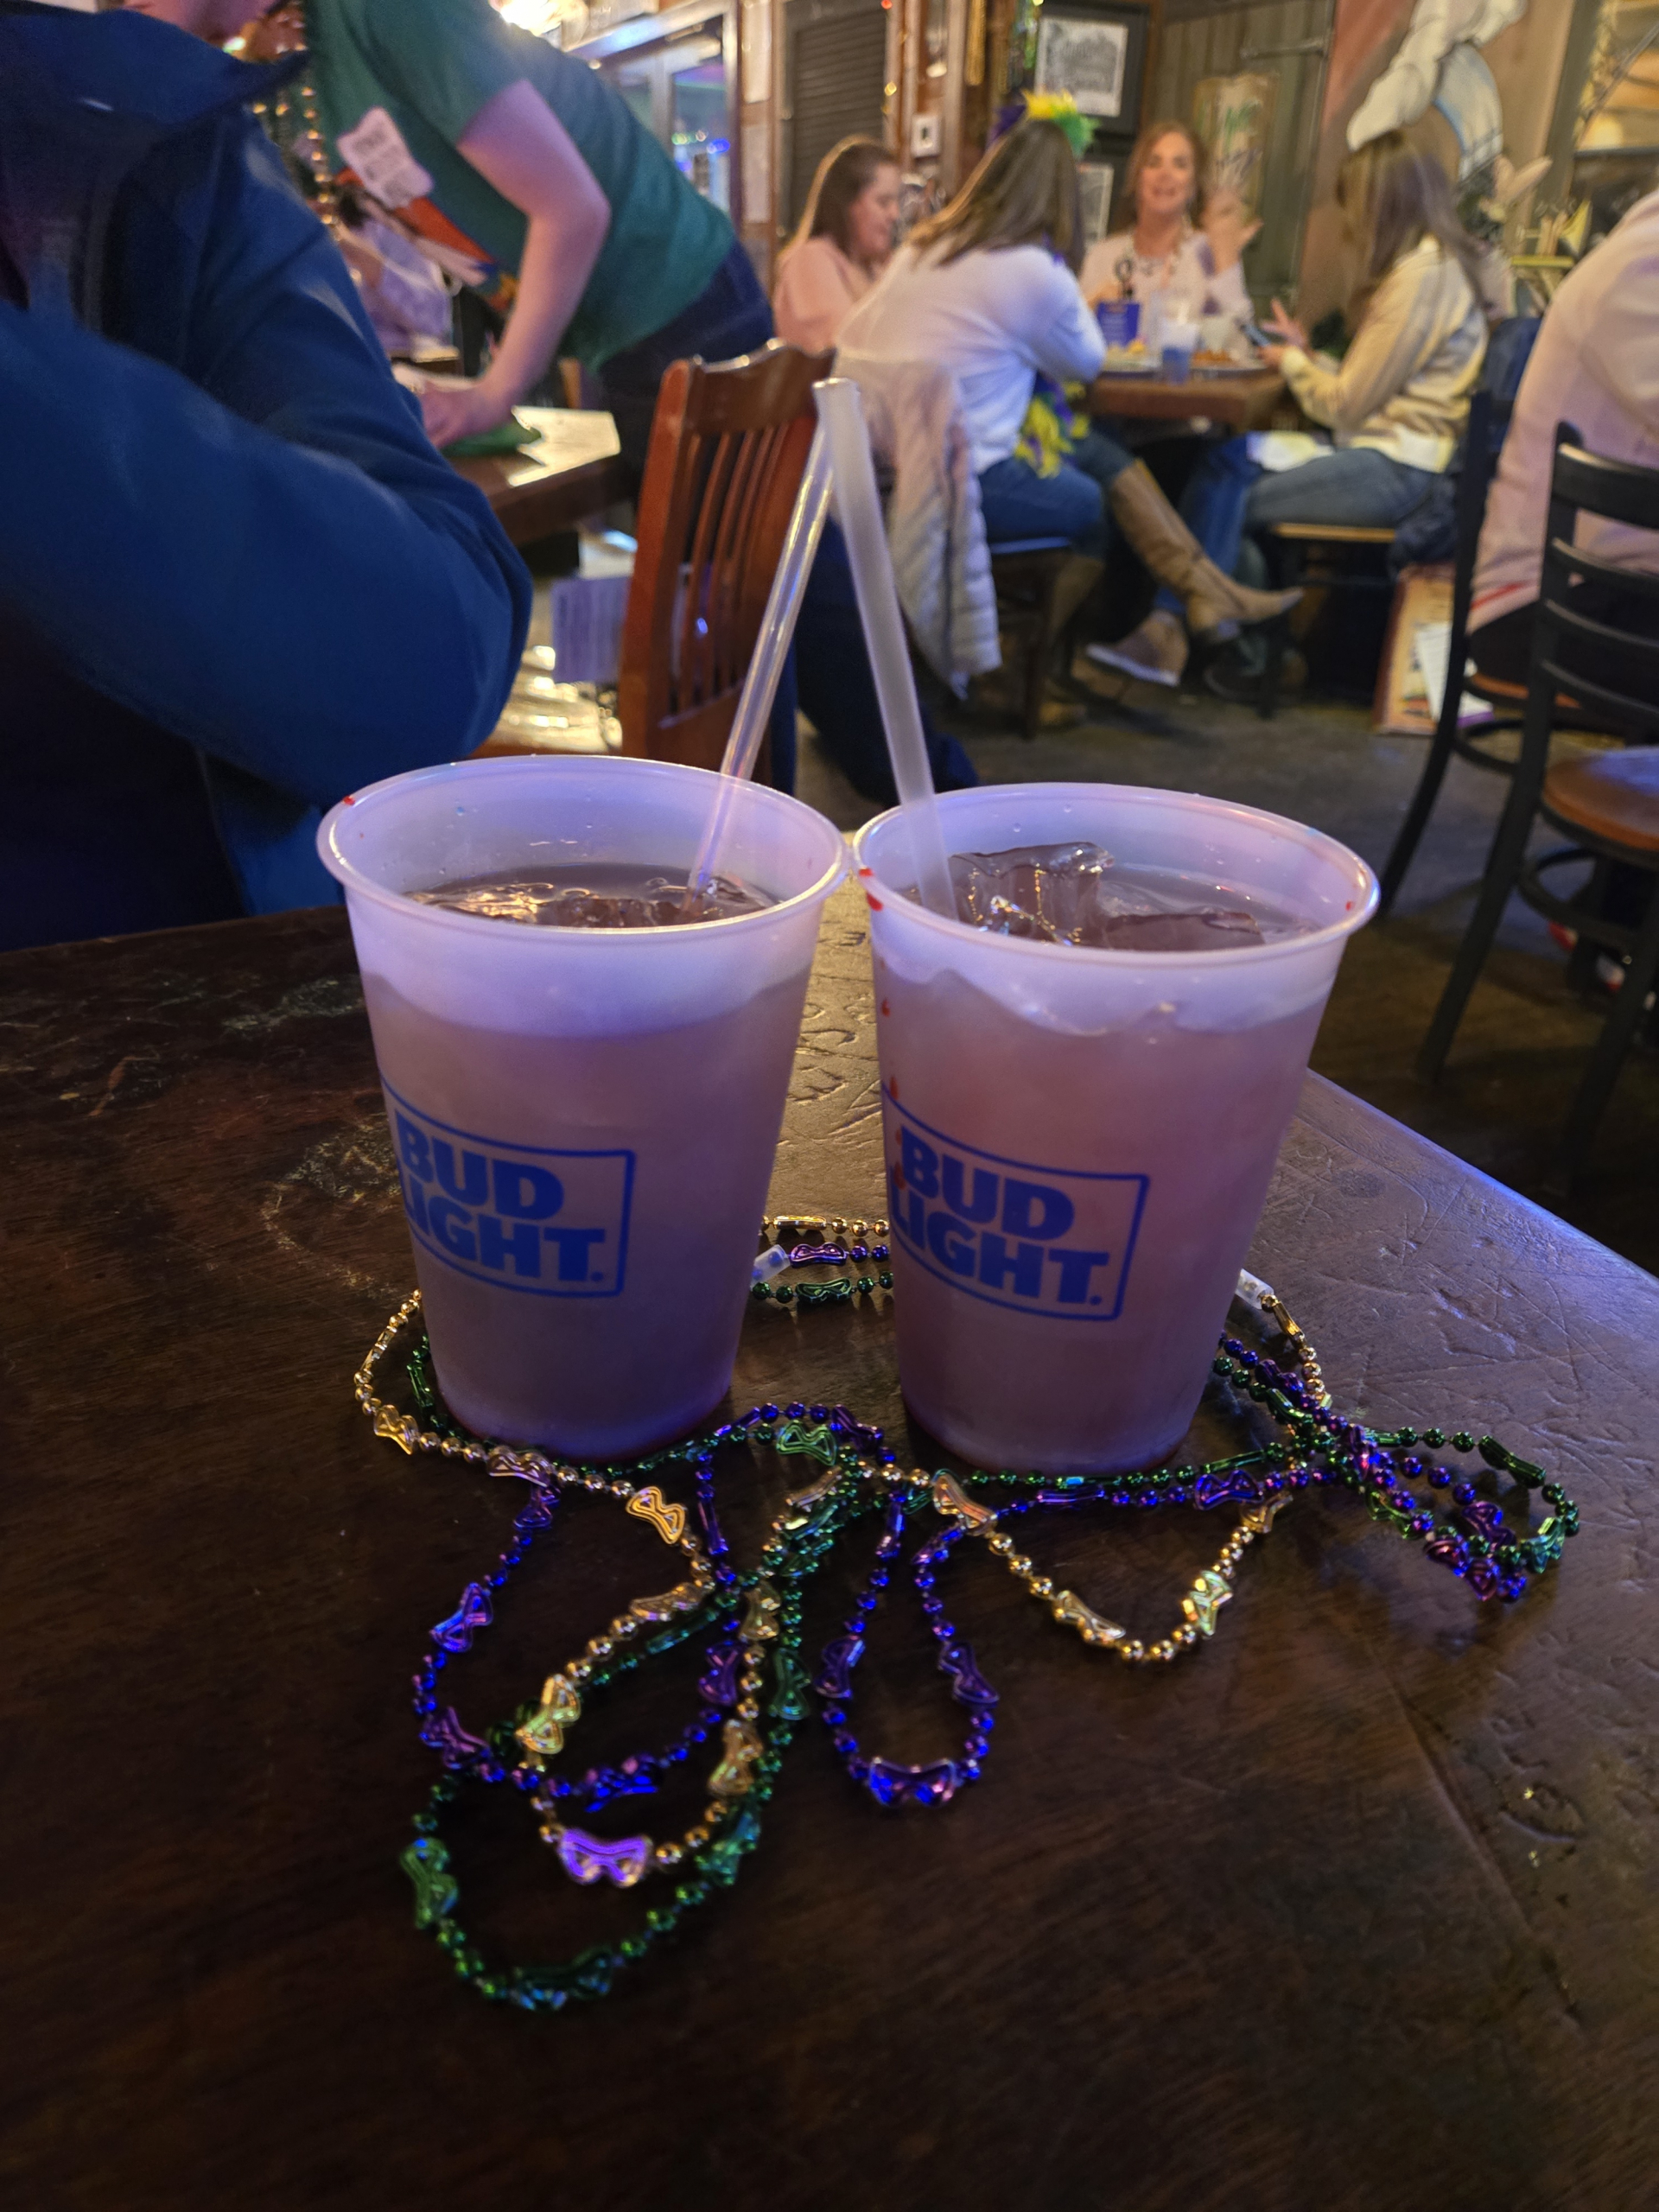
x,y
1607,805
1289,542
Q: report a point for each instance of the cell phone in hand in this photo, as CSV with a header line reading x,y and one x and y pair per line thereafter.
x,y
1259,338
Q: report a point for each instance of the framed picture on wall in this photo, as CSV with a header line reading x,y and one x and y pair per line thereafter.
x,y
1099,56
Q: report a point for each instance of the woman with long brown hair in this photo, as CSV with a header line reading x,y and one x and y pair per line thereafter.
x,y
1185,240
842,243
1394,405
989,288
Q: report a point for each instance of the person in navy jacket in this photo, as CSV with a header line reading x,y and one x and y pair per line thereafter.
x,y
235,580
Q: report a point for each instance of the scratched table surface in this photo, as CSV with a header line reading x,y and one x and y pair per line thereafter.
x,y
1355,1906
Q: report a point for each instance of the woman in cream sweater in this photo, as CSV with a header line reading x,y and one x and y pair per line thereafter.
x,y
1394,405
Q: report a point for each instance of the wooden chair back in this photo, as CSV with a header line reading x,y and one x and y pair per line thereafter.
x,y
728,448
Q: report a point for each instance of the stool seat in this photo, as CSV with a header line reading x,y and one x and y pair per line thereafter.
x,y
1332,533
1612,794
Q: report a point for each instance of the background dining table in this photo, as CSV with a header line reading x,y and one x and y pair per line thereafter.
x,y
574,469
1246,401
1353,1908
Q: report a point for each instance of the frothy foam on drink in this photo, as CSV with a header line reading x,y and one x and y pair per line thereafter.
x,y
601,896
1077,894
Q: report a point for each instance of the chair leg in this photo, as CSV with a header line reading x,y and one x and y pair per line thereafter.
x,y
1288,570
1422,804
1036,674
1503,866
1618,1033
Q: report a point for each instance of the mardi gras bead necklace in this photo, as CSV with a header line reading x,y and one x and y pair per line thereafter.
x,y
1473,1541
709,1858
887,1781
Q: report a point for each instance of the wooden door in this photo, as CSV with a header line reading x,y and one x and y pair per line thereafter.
x,y
835,87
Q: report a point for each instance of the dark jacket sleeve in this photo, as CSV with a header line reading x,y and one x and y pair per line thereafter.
x,y
257,548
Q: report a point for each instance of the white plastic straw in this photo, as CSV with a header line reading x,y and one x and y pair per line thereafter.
x,y
858,509
776,629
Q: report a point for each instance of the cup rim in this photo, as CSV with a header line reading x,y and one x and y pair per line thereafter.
x,y
353,879
1360,912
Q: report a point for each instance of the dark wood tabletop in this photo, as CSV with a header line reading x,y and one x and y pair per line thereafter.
x,y
1354,1907
1245,402
576,473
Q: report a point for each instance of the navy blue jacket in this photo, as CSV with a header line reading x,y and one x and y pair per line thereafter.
x,y
236,581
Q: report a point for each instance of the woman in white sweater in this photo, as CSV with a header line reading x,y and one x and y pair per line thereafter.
x,y
1395,404
989,288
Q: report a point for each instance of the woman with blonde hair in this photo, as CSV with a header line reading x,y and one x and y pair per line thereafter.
x,y
1396,402
842,243
989,288
1185,242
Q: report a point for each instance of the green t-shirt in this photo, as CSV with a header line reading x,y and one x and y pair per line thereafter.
x,y
429,66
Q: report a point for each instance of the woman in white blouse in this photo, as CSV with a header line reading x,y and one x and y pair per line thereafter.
x,y
844,242
1196,266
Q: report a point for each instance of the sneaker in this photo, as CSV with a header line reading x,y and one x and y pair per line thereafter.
x,y
1153,652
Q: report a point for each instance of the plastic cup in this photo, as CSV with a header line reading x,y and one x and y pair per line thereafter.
x,y
584,1119
1179,342
1078,1143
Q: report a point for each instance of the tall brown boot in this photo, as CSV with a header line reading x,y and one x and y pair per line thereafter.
x,y
1168,547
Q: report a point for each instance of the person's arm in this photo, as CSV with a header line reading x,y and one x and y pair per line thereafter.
x,y
1059,326
518,145
1402,327
259,551
1624,357
1228,230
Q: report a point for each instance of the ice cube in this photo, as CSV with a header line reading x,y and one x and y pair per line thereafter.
x,y
1046,892
1070,894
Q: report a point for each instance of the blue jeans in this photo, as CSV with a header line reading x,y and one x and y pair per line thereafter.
x,y
1229,493
837,690
1018,504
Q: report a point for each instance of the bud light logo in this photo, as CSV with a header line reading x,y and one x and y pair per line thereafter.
x,y
1052,1241
522,1216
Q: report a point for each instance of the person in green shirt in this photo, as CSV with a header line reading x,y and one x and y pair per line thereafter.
x,y
532,176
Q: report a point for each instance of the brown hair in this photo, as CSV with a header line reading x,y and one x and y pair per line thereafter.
x,y
1171,127
845,172
1024,192
1393,196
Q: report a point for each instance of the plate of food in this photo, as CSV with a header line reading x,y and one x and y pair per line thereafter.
x,y
1129,361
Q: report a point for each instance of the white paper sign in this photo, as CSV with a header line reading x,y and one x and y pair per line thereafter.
x,y
376,151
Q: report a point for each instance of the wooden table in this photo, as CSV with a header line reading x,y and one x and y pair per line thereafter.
x,y
574,471
1245,402
1354,1909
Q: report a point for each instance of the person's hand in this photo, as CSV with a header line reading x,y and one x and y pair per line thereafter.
x,y
1227,228
1274,355
361,257
1287,327
452,412
1106,294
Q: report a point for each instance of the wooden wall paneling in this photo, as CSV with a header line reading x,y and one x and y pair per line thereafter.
x,y
1289,40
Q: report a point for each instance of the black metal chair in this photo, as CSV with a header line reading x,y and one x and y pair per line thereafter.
x,y
1489,419
1607,805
